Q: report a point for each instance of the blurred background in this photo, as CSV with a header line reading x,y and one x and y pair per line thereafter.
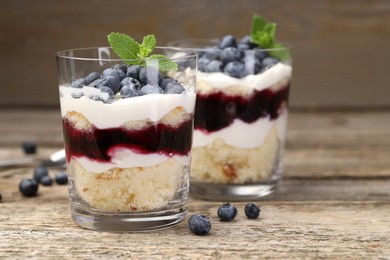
x,y
340,48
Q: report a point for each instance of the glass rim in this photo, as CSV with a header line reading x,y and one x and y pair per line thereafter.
x,y
64,54
286,45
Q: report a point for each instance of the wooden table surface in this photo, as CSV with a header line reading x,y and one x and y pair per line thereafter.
x,y
334,201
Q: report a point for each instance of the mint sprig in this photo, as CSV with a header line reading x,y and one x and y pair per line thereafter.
x,y
133,53
263,34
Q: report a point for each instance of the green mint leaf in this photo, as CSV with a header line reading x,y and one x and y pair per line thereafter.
x,y
147,46
164,64
124,46
263,33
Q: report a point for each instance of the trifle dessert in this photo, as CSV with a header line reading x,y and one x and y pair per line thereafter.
x,y
240,116
128,135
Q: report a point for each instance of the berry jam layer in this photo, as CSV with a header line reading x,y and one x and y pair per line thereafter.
x,y
216,111
97,144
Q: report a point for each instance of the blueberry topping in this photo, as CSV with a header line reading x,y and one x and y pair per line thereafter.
x,y
252,211
229,54
149,76
165,80
129,90
107,90
199,224
46,180
214,66
235,69
121,67
260,54
91,77
245,40
40,172
269,62
132,81
243,47
202,64
95,83
211,53
252,64
29,147
113,73
150,89
133,71
61,178
28,187
78,83
227,41
227,212
77,93
174,88
111,82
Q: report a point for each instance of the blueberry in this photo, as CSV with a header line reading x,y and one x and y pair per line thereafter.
x,y
150,89
61,178
113,73
227,212
227,41
46,180
133,71
211,53
91,77
165,80
40,172
77,93
247,40
29,147
235,69
174,88
229,54
260,54
28,187
78,83
129,91
199,224
252,65
121,67
243,47
95,83
107,90
149,76
202,64
269,62
132,81
111,82
252,211
214,66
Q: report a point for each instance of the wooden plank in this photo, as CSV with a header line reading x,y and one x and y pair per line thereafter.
x,y
338,46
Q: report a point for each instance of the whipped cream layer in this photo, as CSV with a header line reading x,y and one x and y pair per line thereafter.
x,y
149,107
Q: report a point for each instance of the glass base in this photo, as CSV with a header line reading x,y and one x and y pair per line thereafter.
x,y
231,192
127,222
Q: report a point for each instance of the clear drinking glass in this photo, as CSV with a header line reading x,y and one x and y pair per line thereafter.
x,y
240,120
128,143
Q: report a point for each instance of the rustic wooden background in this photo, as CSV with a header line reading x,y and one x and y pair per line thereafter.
x,y
340,48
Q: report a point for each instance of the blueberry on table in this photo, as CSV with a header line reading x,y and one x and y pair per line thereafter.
x,y
78,83
252,211
214,66
133,71
28,187
132,81
111,82
165,80
29,147
227,212
174,88
150,89
91,77
229,54
46,180
199,224
129,90
227,41
149,76
61,178
113,73
235,69
40,172
121,67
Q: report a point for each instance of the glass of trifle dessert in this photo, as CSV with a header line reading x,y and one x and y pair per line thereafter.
x,y
127,113
240,114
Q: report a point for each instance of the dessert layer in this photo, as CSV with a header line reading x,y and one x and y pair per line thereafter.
x,y
219,162
129,189
151,107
